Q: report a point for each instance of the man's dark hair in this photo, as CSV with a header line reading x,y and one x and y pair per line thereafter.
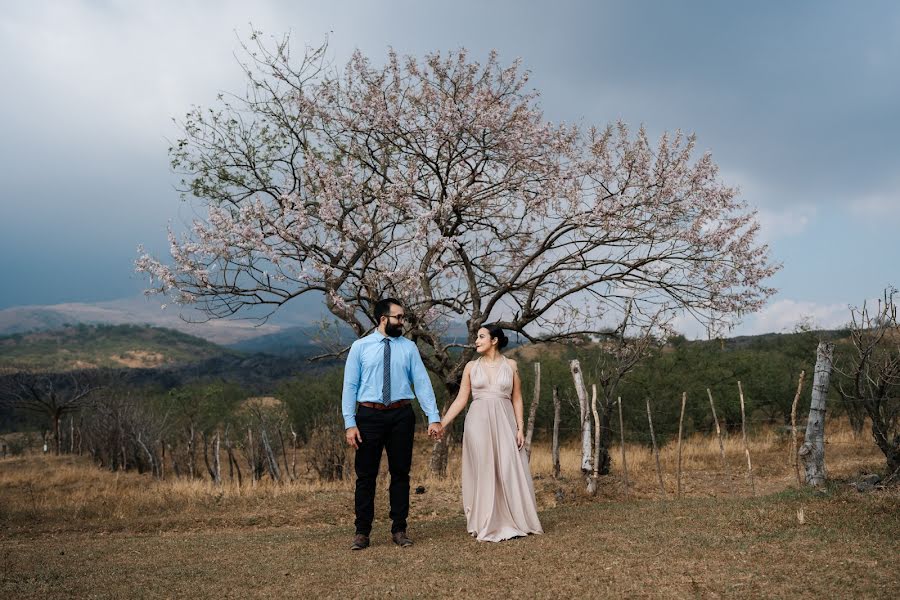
x,y
383,308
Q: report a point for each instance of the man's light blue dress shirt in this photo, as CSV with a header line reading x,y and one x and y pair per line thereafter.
x,y
364,376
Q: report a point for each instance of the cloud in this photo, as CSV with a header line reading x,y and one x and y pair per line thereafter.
x,y
785,222
780,316
877,208
784,316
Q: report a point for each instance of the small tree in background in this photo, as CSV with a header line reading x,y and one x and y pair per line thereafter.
x,y
871,372
53,395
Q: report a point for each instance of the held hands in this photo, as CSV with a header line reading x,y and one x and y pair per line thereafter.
x,y
436,431
354,439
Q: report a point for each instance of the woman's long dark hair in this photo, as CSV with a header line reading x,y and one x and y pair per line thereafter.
x,y
496,333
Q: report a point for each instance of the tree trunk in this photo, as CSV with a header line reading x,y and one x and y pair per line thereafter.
x,y
190,448
251,456
209,468
216,465
532,410
605,439
440,451
150,457
890,447
287,468
274,471
233,461
586,441
293,453
812,453
56,441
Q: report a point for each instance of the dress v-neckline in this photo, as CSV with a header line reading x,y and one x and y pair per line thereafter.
x,y
492,373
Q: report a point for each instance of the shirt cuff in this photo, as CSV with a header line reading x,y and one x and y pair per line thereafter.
x,y
348,423
434,418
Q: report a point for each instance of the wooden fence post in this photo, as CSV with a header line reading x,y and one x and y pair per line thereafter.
x,y
712,405
662,487
746,445
680,427
581,391
595,475
554,449
622,437
793,459
813,450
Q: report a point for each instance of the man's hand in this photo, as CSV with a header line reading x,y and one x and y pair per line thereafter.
x,y
435,431
353,437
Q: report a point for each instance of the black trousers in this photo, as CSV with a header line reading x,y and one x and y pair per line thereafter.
x,y
390,430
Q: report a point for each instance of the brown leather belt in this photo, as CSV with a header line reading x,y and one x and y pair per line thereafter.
x,y
380,406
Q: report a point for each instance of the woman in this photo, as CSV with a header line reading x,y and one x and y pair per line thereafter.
x,y
498,494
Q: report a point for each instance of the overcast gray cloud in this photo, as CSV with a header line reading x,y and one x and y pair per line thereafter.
x,y
797,101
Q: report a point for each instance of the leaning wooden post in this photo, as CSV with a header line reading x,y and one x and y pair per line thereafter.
x,y
554,449
581,391
746,445
792,459
662,487
595,475
216,464
813,449
680,428
532,411
622,437
712,405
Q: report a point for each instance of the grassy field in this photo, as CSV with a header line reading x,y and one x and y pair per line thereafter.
x,y
68,529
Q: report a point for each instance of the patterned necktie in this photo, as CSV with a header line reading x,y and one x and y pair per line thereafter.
x,y
386,387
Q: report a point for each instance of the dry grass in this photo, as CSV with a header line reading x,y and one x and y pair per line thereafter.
x,y
69,529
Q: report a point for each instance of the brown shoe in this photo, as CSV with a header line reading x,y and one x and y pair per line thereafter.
x,y
360,542
401,539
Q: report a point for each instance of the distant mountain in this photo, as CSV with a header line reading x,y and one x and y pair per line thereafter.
x,y
303,342
303,311
257,373
112,346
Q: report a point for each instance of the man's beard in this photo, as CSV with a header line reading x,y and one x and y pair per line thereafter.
x,y
393,330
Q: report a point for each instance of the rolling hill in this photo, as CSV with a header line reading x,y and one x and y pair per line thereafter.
x,y
89,346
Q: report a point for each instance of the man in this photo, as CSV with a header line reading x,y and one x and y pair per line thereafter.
x,y
381,371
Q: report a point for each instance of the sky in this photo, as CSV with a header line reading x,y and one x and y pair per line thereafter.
x,y
799,104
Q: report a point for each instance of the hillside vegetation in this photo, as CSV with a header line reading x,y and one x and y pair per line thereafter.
x,y
92,346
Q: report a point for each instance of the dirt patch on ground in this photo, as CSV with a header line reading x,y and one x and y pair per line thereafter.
x,y
139,359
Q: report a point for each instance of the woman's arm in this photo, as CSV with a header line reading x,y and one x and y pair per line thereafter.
x,y
462,398
518,405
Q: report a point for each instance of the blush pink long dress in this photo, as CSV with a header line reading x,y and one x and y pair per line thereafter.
x,y
497,490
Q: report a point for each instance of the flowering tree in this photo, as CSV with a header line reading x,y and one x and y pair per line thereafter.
x,y
439,182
